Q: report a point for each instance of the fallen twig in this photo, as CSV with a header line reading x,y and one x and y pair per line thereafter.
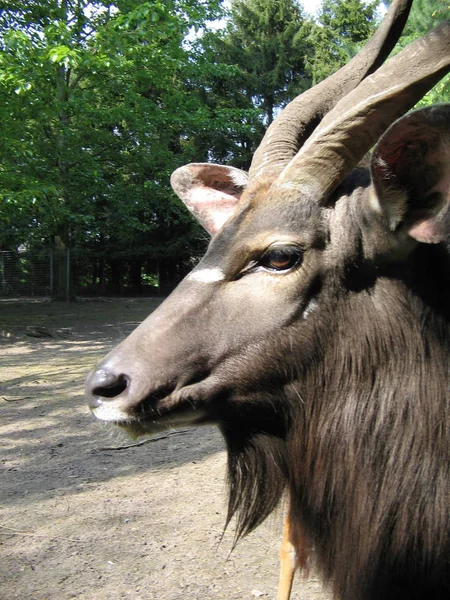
x,y
15,398
146,441
13,531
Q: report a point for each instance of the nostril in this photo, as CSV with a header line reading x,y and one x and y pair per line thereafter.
x,y
112,390
102,384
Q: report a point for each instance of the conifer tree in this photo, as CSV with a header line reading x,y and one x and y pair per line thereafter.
x,y
268,39
345,25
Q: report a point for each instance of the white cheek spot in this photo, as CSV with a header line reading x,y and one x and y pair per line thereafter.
x,y
288,185
310,308
106,412
374,201
207,275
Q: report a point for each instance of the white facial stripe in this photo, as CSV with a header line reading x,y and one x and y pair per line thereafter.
x,y
288,185
207,275
311,307
106,412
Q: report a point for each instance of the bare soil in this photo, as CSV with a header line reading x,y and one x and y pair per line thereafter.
x,y
82,518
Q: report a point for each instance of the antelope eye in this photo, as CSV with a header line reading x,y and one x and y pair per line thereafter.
x,y
281,259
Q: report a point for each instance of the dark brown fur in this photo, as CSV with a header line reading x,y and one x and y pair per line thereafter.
x,y
353,423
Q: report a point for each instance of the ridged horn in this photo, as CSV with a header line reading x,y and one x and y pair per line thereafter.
x,y
299,118
348,132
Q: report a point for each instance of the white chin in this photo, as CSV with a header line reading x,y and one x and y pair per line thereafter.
x,y
109,412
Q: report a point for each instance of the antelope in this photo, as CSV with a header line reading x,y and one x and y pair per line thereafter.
x,y
315,330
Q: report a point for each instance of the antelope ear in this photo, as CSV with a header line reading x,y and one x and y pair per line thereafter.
x,y
210,192
411,174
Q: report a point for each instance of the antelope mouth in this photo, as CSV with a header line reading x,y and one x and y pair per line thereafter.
x,y
159,411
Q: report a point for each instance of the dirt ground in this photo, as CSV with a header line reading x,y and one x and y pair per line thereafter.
x,y
82,518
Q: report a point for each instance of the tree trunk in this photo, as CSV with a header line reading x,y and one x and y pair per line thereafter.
x,y
116,277
136,277
102,276
269,102
64,289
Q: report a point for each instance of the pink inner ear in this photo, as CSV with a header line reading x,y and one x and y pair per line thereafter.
x,y
435,229
211,207
411,173
429,232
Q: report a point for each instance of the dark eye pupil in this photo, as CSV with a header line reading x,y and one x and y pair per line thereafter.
x,y
281,260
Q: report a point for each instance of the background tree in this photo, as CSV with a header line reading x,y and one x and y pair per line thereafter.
x,y
267,39
256,65
233,122
343,27
94,105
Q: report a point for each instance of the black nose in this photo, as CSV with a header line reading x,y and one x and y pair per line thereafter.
x,y
104,384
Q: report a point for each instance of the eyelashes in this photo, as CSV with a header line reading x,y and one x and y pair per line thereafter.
x,y
278,258
281,258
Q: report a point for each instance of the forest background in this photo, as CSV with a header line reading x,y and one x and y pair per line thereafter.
x,y
101,101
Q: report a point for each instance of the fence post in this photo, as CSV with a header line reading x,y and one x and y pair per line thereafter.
x,y
68,274
158,276
2,270
51,274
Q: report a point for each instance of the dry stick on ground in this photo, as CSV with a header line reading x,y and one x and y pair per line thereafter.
x,y
15,398
147,441
12,531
